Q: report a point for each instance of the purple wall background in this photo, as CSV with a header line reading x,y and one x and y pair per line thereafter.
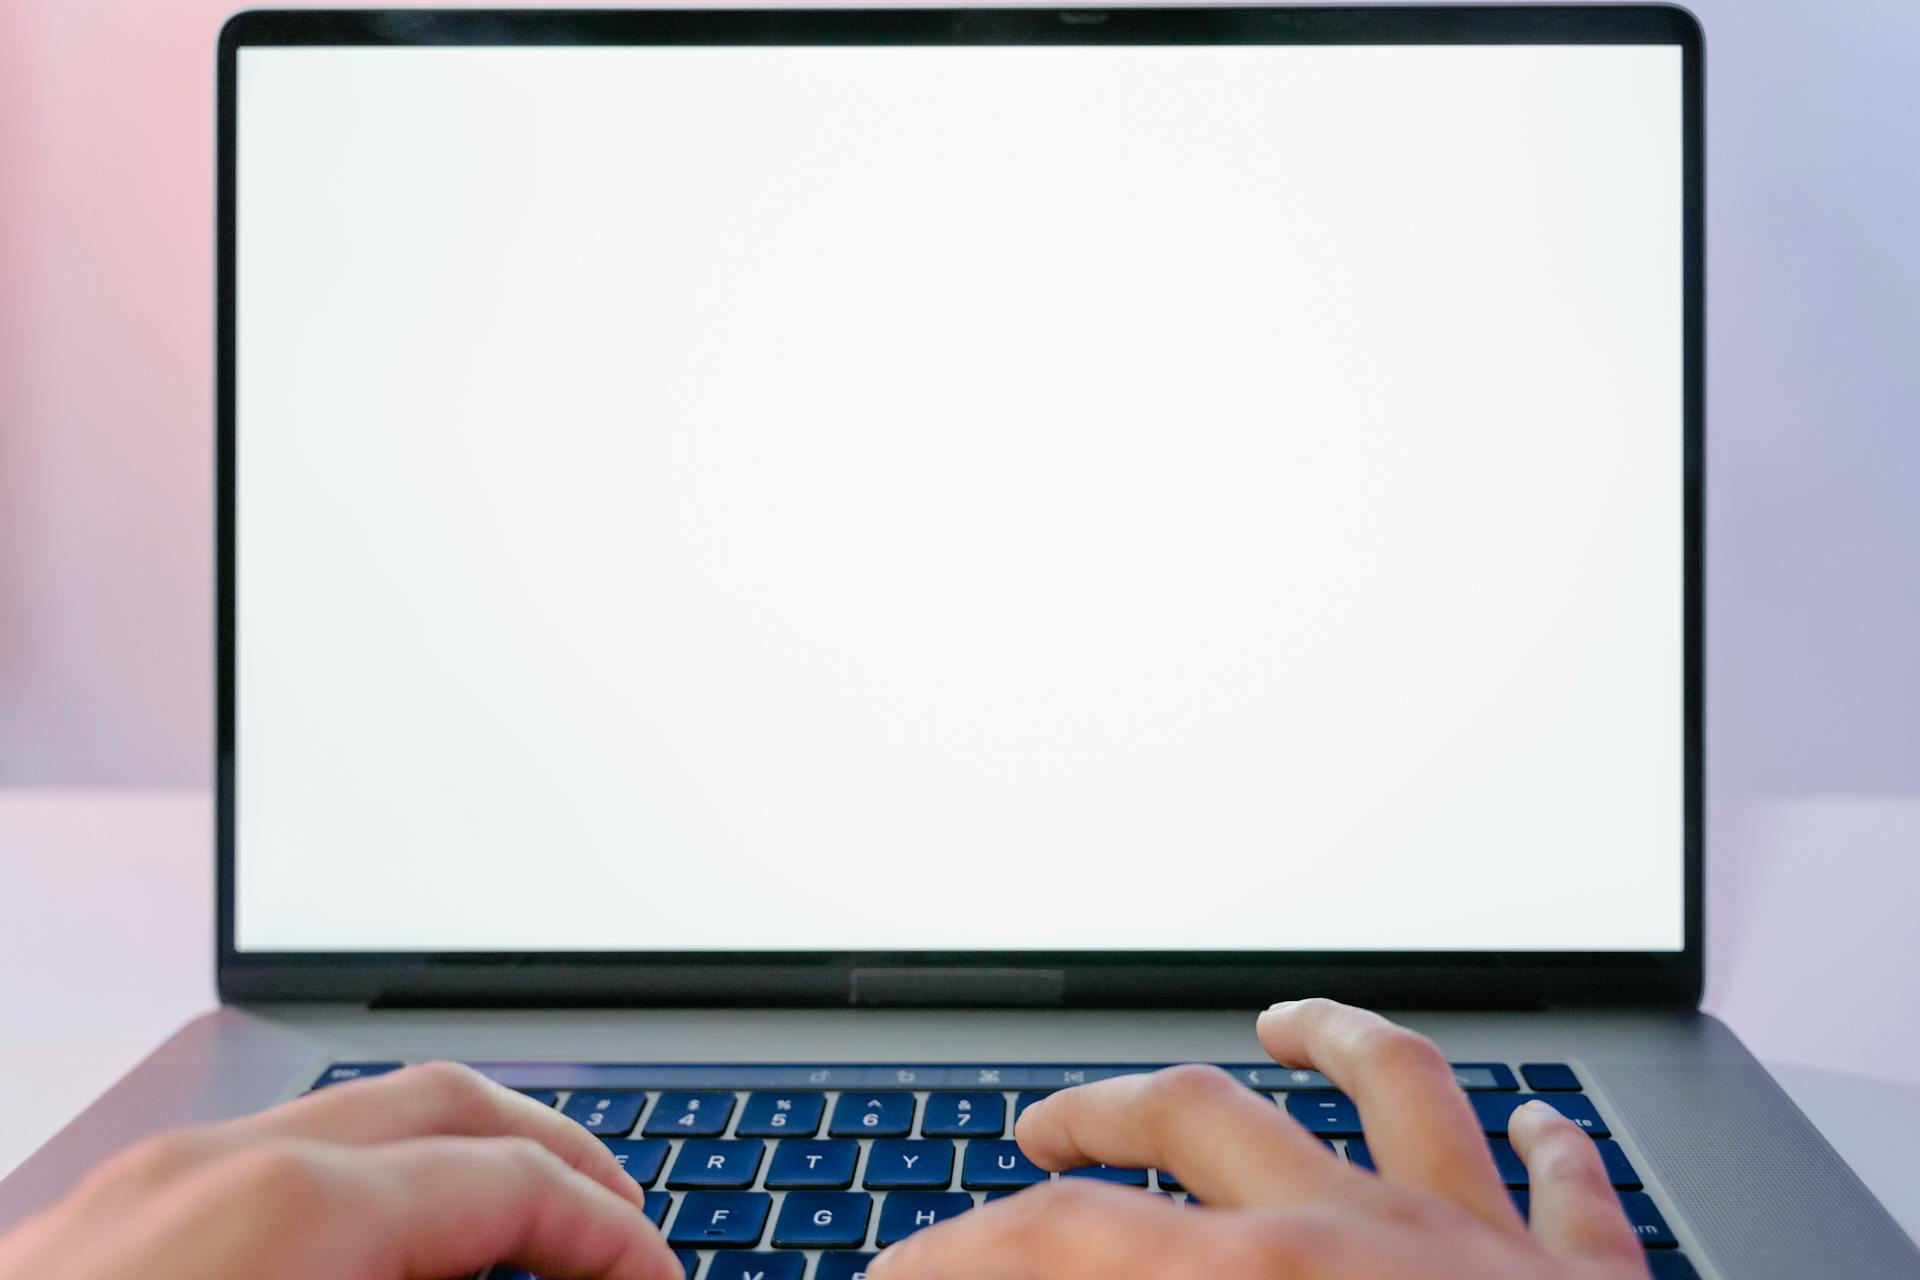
x,y
1814,411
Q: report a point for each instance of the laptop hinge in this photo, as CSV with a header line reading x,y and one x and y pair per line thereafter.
x,y
957,987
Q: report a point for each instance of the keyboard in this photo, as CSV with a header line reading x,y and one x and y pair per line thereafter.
x,y
803,1172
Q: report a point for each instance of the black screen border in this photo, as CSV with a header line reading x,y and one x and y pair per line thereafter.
x,y
1426,979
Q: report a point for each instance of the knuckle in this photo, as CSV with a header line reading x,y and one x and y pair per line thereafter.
x,y
1396,1049
1062,1195
1054,1221
455,1079
1316,1014
457,1088
281,1174
529,1156
1052,1206
1194,1083
1272,1245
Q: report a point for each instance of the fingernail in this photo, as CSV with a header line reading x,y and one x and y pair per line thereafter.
x,y
1281,1005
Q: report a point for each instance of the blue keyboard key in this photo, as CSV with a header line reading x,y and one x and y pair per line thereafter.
x,y
501,1272
842,1266
656,1205
872,1115
1550,1077
998,1164
1513,1170
1025,1099
757,1266
689,1115
640,1157
717,1162
1523,1202
1168,1182
720,1219
1331,1115
545,1097
904,1212
807,1162
909,1162
1494,1108
341,1072
1468,1075
1474,1076
1620,1170
689,1260
823,1220
1647,1222
610,1113
964,1115
1666,1265
781,1115
1360,1155
1107,1173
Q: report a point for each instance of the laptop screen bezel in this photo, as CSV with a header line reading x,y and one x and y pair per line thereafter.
x,y
1395,979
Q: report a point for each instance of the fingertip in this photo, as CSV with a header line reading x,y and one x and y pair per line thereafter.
x,y
1528,1118
664,1264
624,1185
1045,1138
1024,1123
1294,1017
1278,1029
645,1254
885,1263
644,1257
1538,1125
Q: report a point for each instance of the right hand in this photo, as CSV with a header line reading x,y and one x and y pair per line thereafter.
x,y
429,1172
1278,1205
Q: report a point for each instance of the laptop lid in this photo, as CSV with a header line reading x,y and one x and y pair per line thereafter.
x,y
1009,506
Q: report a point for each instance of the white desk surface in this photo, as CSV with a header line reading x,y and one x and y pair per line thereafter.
x,y
106,947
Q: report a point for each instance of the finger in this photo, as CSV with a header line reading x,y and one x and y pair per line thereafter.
x,y
449,1208
435,1099
1070,1230
1574,1209
423,1207
1422,1131
1229,1145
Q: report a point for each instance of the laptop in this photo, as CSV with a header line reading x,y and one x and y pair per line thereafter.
x,y
818,575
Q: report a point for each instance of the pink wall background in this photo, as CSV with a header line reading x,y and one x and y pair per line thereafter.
x,y
105,456
106,116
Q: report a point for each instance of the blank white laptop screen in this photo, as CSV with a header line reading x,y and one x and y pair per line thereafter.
x,y
1166,498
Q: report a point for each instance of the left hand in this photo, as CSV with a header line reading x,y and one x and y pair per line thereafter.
x,y
1277,1204
429,1172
